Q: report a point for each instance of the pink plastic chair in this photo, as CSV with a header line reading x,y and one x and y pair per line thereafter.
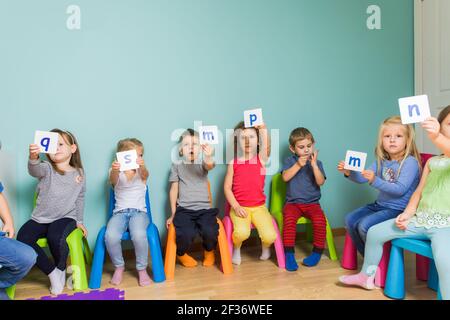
x,y
349,256
278,244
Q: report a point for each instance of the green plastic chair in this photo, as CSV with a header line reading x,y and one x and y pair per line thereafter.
x,y
78,257
11,292
277,199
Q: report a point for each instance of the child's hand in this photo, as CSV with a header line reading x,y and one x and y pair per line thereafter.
x,y
369,175
9,229
34,151
169,222
402,220
115,166
240,212
83,228
261,126
140,162
207,150
314,157
433,128
302,161
341,166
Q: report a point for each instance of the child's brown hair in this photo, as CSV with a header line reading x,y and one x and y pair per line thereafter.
x,y
299,134
241,126
443,114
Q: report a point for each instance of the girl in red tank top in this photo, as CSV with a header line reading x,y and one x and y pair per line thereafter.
x,y
244,189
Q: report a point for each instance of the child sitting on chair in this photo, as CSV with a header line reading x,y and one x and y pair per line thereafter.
x,y
304,176
189,200
130,213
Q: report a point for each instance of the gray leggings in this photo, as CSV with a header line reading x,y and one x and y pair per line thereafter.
x,y
387,231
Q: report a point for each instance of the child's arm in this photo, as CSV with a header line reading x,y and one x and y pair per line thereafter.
x,y
114,173
289,173
6,217
36,168
228,190
79,204
318,175
433,128
264,151
173,197
408,174
357,177
403,219
142,169
208,160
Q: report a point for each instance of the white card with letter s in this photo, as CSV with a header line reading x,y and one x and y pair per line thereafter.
x,y
47,141
127,160
355,161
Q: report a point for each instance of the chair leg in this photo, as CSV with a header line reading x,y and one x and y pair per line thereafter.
x,y
279,249
380,277
75,242
330,243
395,279
433,279
228,226
349,255
225,258
11,292
98,260
87,252
155,252
422,267
171,253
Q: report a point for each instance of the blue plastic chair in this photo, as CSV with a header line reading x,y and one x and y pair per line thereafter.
x,y
395,279
95,279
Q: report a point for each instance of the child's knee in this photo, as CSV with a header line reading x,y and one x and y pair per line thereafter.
x,y
112,236
241,233
269,236
139,236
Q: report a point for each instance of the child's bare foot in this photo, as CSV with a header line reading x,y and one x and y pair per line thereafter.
x,y
187,261
117,276
360,279
144,278
209,258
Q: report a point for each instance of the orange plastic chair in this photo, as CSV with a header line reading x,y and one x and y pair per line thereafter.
x,y
171,249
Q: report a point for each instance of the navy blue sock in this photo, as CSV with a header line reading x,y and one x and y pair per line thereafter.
x,y
313,259
291,264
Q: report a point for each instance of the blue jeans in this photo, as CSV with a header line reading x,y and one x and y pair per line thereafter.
x,y
136,222
16,259
361,220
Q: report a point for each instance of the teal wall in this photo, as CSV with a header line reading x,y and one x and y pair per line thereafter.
x,y
145,68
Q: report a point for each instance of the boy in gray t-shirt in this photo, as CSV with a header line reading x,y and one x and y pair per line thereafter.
x,y
190,201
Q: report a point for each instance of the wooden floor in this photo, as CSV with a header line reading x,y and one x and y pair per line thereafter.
x,y
253,279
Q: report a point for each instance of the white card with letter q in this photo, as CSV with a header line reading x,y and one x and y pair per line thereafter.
x,y
414,109
127,160
47,141
253,118
355,161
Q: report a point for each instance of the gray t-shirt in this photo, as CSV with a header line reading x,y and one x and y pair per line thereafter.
x,y
58,196
192,185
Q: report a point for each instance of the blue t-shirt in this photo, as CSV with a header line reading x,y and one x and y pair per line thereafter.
x,y
302,188
1,187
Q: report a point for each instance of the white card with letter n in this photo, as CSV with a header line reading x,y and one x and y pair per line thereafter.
x,y
414,109
355,161
47,141
127,160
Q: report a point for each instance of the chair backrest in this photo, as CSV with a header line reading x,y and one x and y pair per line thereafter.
x,y
424,157
112,203
277,193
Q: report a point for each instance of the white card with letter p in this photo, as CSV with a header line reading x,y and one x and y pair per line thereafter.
x,y
253,118
355,161
414,109
208,135
47,141
127,160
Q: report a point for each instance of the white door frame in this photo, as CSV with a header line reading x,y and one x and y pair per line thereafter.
x,y
418,65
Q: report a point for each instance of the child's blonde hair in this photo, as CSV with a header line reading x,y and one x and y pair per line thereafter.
x,y
129,144
410,150
75,160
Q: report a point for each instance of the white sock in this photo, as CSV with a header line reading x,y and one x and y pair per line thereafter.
x,y
265,254
55,282
62,277
236,256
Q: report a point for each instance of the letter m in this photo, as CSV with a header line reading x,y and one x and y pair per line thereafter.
x,y
354,161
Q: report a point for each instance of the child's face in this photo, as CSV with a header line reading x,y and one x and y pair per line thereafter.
x,y
394,139
140,152
190,148
248,140
445,127
63,152
304,147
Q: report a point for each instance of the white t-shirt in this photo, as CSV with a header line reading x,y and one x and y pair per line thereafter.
x,y
130,194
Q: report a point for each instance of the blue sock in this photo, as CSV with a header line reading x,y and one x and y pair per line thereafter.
x,y
291,264
312,260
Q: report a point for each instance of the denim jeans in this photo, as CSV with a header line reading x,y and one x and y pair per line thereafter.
x,y
16,259
136,222
361,220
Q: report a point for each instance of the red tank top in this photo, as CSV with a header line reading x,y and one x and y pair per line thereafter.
x,y
248,182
